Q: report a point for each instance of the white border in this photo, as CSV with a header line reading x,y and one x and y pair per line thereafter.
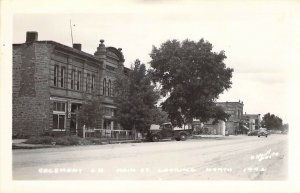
x,y
9,7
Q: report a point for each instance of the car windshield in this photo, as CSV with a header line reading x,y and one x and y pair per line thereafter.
x,y
166,127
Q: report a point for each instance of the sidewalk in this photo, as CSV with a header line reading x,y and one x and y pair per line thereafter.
x,y
208,137
18,144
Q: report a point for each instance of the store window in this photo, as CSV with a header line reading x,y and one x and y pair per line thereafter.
x,y
107,124
59,116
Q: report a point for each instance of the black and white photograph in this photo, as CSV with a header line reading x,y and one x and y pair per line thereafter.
x,y
150,96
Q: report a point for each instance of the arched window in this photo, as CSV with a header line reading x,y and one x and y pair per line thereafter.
x,y
109,88
104,87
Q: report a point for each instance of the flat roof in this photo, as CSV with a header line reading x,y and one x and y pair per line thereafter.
x,y
71,49
67,48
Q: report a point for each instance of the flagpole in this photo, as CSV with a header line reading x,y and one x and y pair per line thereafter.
x,y
71,32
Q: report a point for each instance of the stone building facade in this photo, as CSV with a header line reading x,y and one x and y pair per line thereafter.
x,y
51,81
235,110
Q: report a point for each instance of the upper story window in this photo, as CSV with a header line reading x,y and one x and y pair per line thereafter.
x,y
104,87
93,82
59,76
88,77
73,79
62,77
55,80
110,68
109,88
78,83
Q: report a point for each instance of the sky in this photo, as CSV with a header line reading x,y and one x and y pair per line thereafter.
x,y
260,38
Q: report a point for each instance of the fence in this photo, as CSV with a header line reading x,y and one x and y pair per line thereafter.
x,y
110,134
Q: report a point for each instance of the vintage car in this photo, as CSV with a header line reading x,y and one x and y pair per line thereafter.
x,y
167,131
262,133
253,133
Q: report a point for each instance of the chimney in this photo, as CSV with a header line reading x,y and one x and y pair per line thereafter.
x,y
31,36
77,46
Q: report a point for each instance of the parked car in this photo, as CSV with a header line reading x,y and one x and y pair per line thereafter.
x,y
167,131
154,127
263,133
253,133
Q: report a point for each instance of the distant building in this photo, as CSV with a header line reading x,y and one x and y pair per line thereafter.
x,y
233,124
235,110
252,121
51,81
211,128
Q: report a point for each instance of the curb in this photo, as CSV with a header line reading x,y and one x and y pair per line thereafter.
x,y
127,141
39,146
207,137
14,146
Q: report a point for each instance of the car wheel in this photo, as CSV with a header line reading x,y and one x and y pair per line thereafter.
x,y
258,136
155,138
177,139
266,136
183,137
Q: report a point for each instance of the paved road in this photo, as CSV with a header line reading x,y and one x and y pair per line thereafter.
x,y
231,158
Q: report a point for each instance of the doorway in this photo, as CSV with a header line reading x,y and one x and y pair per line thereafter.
x,y
73,122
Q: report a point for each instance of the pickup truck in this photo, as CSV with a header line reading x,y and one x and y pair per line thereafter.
x,y
166,131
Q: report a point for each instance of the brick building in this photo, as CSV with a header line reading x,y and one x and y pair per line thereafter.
x,y
235,110
252,121
209,127
51,81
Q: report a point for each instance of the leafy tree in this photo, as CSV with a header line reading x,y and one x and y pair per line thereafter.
x,y
90,114
192,76
135,97
285,127
158,116
271,121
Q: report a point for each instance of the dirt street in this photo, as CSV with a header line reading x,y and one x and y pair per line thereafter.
x,y
231,158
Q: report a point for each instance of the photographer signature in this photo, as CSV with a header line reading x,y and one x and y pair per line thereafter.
x,y
263,156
